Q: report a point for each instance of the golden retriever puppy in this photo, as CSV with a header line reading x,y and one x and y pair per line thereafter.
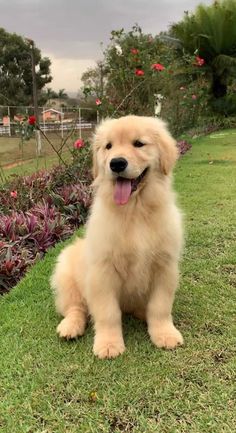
x,y
128,261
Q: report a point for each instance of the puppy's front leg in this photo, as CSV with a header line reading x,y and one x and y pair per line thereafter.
x,y
102,297
161,329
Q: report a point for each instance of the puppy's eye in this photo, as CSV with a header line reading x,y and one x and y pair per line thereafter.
x,y
138,143
108,146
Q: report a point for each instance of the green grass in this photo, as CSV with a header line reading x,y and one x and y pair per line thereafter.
x,y
17,160
31,166
11,152
52,386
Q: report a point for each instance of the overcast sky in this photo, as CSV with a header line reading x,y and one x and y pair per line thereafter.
x,y
70,31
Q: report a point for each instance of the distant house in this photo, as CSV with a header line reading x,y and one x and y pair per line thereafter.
x,y
19,117
6,120
52,115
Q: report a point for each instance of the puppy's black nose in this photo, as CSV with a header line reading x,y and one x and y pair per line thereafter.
x,y
118,164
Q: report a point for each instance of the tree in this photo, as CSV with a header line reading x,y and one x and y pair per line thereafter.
x,y
211,32
62,94
51,94
16,70
94,80
130,74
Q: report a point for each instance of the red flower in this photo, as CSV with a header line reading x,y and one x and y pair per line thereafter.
x,y
98,101
199,61
31,120
13,194
134,51
139,72
194,97
79,143
158,67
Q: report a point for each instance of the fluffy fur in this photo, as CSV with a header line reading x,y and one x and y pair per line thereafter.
x,y
128,261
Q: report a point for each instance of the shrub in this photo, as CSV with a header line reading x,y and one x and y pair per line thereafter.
x,y
225,106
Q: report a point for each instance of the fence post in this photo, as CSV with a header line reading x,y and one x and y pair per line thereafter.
x,y
62,117
43,114
35,98
9,116
80,131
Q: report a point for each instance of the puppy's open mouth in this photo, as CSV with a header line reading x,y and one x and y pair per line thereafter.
x,y
124,187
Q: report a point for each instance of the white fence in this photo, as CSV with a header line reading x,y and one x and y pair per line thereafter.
x,y
5,130
50,119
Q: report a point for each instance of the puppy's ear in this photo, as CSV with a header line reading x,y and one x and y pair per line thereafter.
x,y
94,156
95,163
97,142
168,150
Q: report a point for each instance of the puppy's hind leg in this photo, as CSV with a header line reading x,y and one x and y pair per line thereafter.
x,y
68,297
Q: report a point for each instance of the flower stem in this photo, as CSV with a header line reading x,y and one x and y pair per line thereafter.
x,y
127,96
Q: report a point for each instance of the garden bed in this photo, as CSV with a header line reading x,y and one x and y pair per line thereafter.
x,y
36,212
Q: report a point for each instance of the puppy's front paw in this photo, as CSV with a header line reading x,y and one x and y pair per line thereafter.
x,y
167,337
108,348
70,328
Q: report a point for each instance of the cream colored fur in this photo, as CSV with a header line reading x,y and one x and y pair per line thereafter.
x,y
128,261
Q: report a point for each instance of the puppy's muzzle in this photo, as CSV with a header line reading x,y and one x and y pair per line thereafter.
x,y
118,165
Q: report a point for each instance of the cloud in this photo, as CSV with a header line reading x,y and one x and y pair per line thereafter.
x,y
67,72
74,29
71,31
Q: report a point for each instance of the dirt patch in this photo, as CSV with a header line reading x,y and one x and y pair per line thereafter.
x,y
16,164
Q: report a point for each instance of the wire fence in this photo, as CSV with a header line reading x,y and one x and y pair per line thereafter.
x,y
59,127
50,119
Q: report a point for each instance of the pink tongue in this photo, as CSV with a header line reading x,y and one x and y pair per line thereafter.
x,y
122,191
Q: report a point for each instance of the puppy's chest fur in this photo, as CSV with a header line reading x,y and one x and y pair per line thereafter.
x,y
133,244
135,254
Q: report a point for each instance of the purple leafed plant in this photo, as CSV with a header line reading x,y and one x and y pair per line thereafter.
x,y
183,146
36,212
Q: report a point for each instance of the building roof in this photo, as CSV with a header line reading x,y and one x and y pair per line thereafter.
x,y
52,109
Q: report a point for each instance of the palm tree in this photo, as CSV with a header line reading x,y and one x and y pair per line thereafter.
x,y
62,94
50,94
211,30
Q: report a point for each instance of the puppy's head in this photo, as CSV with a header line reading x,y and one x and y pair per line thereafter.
x,y
128,151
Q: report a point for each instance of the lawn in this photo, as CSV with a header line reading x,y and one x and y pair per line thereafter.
x,y
53,386
22,160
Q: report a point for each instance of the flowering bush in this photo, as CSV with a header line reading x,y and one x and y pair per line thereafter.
x,y
137,67
132,71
